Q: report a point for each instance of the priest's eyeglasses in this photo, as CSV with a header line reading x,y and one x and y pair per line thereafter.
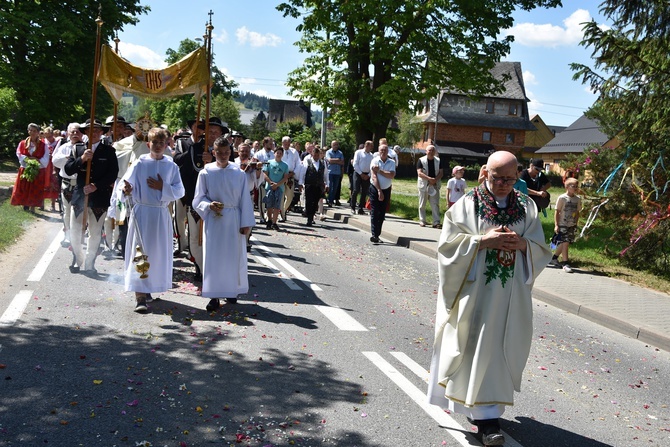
x,y
503,180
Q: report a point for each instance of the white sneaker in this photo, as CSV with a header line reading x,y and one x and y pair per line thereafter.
x,y
567,268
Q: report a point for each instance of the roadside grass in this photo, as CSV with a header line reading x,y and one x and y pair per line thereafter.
x,y
13,222
596,252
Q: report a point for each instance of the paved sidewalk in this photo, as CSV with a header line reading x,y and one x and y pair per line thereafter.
x,y
631,310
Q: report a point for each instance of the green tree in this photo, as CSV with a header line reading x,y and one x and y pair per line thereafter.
x,y
175,112
632,79
373,58
295,129
226,109
409,130
48,49
257,130
9,107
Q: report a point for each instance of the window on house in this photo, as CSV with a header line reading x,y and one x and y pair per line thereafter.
x,y
490,107
512,109
509,138
486,136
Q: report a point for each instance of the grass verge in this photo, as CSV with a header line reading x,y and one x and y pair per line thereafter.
x,y
13,222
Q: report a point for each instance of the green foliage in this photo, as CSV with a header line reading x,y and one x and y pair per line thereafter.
x,y
252,101
224,107
257,130
409,131
295,129
49,52
631,77
346,139
9,136
373,58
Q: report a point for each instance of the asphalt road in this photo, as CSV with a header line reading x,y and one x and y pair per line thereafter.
x,y
330,348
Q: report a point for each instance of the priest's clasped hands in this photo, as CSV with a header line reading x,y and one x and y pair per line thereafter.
x,y
502,238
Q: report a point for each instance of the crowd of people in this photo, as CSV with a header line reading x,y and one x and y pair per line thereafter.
x,y
150,196
138,193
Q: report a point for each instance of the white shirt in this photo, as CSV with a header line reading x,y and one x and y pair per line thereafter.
x,y
362,161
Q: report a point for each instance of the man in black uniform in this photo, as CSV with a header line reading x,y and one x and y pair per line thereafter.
x,y
190,162
104,169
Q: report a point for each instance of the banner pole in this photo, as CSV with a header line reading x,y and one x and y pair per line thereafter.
x,y
99,23
208,37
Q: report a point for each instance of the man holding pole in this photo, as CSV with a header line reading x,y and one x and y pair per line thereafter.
x,y
90,199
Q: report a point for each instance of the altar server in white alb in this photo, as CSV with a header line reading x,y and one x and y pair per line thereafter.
x,y
490,251
152,182
222,201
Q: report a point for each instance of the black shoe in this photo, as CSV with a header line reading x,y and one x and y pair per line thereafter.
x,y
74,269
361,212
490,431
275,227
268,225
141,305
213,305
374,239
282,219
249,248
493,439
231,300
310,223
337,202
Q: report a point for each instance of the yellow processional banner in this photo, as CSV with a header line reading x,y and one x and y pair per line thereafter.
x,y
188,76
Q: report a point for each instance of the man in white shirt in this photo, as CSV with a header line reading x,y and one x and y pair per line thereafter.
x,y
264,155
362,159
68,182
383,172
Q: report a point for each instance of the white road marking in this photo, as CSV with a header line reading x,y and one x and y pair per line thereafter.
x,y
411,391
278,273
341,319
287,266
16,308
43,263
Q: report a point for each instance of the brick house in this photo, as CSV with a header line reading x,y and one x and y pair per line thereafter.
x,y
467,130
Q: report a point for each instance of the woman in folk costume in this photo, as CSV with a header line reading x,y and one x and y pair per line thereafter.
x,y
51,179
153,181
222,200
33,157
491,249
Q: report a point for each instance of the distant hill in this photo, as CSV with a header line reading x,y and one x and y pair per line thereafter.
x,y
252,101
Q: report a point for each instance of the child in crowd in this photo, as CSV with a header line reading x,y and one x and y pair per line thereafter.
x,y
276,175
456,185
568,207
152,182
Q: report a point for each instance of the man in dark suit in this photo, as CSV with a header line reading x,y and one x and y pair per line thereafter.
x,y
104,169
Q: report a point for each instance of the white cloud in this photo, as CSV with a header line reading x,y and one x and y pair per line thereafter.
x,y
247,80
548,35
141,56
529,78
221,38
534,106
256,39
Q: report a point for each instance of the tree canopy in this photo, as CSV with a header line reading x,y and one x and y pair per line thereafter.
x,y
632,78
368,60
175,112
48,51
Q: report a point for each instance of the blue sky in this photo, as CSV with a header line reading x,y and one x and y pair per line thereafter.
x,y
253,44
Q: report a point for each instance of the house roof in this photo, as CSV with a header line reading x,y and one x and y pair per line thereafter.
x,y
451,116
576,137
513,87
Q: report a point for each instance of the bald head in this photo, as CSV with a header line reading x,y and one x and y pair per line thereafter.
x,y
501,160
